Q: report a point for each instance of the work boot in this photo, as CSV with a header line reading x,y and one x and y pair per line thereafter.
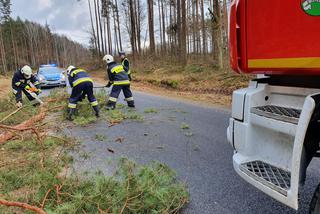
x,y
96,109
131,104
111,105
71,112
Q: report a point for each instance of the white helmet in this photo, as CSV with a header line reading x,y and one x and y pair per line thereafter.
x,y
108,58
26,71
70,68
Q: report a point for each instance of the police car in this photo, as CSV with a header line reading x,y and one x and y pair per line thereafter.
x,y
51,76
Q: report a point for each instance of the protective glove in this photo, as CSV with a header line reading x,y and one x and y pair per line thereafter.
x,y
19,104
130,78
29,88
109,84
38,91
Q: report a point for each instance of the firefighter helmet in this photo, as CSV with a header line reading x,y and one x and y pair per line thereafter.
x,y
108,58
26,71
70,68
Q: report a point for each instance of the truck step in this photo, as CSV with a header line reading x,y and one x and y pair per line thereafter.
x,y
284,114
271,176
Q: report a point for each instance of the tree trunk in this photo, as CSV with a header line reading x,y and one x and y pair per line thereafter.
x,y
100,27
92,27
118,23
133,30
163,28
183,37
204,36
160,25
218,49
97,27
151,27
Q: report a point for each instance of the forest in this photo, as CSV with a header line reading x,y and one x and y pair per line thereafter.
x,y
27,42
175,28
157,29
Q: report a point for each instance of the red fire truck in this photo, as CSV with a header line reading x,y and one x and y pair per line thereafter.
x,y
275,123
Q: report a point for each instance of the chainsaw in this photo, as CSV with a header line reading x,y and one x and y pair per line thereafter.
x,y
32,90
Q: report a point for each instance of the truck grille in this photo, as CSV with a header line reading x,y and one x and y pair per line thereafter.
x,y
289,115
271,176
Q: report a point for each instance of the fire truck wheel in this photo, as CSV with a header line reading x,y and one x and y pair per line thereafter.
x,y
314,207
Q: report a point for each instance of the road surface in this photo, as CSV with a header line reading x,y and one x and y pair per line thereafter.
x,y
200,155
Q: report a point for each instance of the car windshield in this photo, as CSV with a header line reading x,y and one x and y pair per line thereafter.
x,y
50,70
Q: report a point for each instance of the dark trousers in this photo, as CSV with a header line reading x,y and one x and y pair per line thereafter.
x,y
115,91
79,92
18,93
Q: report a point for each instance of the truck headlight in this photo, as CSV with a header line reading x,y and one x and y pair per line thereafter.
x,y
63,77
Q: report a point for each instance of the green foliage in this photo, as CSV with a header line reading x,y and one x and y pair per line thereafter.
x,y
170,83
123,113
184,126
151,188
133,115
100,137
151,111
84,120
5,10
192,68
8,106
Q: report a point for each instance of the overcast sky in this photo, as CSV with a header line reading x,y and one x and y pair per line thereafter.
x,y
68,17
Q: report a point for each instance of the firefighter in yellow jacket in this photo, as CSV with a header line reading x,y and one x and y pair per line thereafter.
x,y
119,79
82,85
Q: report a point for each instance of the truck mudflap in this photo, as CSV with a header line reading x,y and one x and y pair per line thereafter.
x,y
283,184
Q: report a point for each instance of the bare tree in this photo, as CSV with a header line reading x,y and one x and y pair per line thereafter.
x,y
151,27
183,38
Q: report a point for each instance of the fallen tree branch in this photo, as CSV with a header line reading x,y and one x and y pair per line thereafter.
x,y
17,110
24,126
45,198
22,205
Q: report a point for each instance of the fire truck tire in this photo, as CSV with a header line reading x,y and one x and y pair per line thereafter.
x,y
314,207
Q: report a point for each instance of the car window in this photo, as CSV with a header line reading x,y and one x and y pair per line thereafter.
x,y
49,70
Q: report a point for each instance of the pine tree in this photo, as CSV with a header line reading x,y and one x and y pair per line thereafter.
x,y
5,10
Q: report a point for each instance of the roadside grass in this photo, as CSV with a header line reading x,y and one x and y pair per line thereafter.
x,y
200,75
8,106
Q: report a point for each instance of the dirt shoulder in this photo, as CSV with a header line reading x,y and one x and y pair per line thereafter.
x,y
212,98
5,86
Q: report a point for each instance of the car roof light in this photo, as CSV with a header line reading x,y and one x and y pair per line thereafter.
x,y
48,65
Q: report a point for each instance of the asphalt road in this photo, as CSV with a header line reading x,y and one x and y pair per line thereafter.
x,y
203,160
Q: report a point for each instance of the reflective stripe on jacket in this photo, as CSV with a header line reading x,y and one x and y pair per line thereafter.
x,y
78,76
20,82
117,74
126,65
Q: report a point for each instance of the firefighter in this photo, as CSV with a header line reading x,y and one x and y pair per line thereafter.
x,y
24,81
125,63
82,85
119,79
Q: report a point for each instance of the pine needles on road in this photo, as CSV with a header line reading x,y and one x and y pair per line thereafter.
x,y
36,171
